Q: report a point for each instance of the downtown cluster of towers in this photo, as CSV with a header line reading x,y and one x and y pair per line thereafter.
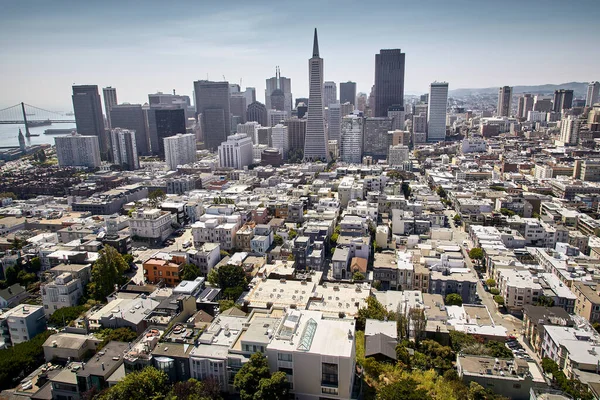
x,y
220,106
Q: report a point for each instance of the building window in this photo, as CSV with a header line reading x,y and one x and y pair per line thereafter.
x,y
329,374
284,357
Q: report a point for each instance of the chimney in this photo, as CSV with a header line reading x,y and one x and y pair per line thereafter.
x,y
102,366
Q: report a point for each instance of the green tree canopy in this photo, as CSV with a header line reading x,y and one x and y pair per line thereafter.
x,y
545,301
107,272
357,276
441,192
147,384
254,380
499,299
119,335
456,217
11,275
278,240
190,272
193,389
507,212
453,299
476,253
292,234
64,316
35,264
403,389
21,359
373,310
490,282
156,197
231,279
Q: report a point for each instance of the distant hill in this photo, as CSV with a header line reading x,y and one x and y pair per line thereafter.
x,y
579,89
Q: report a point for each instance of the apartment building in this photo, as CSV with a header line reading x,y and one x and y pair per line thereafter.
x,y
518,287
64,291
153,226
166,268
587,303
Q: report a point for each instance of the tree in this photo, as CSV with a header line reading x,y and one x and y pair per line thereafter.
x,y
457,218
293,233
247,379
418,321
545,301
476,253
21,359
495,291
373,310
146,384
453,299
18,244
278,240
64,316
9,195
118,335
499,300
441,192
357,276
35,264
231,279
507,212
535,215
403,389
193,389
190,272
276,387
490,282
11,275
460,340
213,277
224,253
405,188
498,349
128,258
156,197
107,272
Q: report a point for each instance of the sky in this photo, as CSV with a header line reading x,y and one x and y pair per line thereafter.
x,y
142,47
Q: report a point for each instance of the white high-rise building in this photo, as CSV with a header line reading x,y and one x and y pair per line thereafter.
x,y
77,150
351,138
275,117
250,129
280,139
236,152
436,112
110,99
315,141
329,93
398,155
180,150
593,94
124,148
569,130
334,121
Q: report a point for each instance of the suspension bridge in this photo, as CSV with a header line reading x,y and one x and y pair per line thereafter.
x,y
32,116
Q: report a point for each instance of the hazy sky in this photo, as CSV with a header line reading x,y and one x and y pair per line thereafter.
x,y
141,47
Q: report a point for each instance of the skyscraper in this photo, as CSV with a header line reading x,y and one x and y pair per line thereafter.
x,y
296,131
504,101
110,99
525,105
334,121
542,104
348,92
315,144
131,117
180,150
563,100
238,106
389,80
569,130
361,101
275,117
436,112
212,101
352,139
124,148
377,140
280,139
250,95
164,121
282,83
593,94
88,116
329,93
236,151
257,112
77,150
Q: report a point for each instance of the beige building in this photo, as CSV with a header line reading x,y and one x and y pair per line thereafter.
x,y
587,303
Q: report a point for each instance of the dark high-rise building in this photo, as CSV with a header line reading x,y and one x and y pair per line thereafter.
x,y
296,132
301,110
377,140
301,100
389,80
285,85
278,100
504,101
164,122
257,112
348,92
563,100
238,107
131,117
88,116
212,101
110,99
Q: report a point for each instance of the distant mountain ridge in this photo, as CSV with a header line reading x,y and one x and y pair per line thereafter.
x,y
579,89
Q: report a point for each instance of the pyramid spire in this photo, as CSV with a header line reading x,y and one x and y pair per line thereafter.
x,y
316,45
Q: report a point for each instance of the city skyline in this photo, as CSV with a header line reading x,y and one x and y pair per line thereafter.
x,y
66,43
